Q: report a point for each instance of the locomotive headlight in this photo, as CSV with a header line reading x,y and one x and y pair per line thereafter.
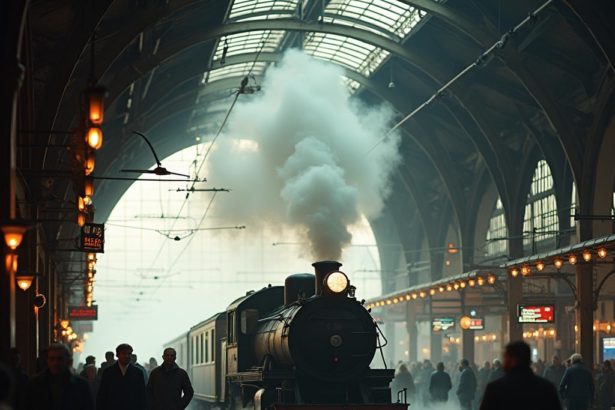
x,y
336,282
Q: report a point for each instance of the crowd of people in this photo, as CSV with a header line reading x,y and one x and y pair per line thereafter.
x,y
120,383
514,383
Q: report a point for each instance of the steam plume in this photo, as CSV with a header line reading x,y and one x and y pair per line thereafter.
x,y
295,155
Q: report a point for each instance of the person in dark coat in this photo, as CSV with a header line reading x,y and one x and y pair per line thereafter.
x,y
467,386
55,388
169,386
109,361
439,384
577,385
606,387
403,380
519,388
21,379
121,385
555,371
135,363
496,371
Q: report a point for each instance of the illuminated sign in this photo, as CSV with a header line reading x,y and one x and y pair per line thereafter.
x,y
608,348
93,238
82,313
535,314
442,323
477,323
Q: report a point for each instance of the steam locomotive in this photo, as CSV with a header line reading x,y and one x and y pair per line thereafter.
x,y
308,343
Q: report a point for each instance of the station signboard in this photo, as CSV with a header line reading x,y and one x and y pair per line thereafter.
x,y
442,324
608,348
477,323
82,313
535,313
93,238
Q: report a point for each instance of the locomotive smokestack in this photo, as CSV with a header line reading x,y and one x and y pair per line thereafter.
x,y
323,268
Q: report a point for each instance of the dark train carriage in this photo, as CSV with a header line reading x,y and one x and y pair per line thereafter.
x,y
207,366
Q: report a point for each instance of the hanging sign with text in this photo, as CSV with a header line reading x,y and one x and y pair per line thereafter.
x,y
535,314
93,238
82,313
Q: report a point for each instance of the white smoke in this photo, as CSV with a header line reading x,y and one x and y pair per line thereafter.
x,y
295,155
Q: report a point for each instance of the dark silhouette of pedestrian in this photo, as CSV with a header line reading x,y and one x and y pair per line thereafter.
x,y
90,360
55,388
577,385
403,380
605,386
169,386
90,375
109,361
121,385
7,384
439,384
555,371
20,379
519,388
483,379
467,386
135,363
496,371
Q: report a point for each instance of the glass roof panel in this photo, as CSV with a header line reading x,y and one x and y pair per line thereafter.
x,y
390,18
235,70
262,9
249,42
352,53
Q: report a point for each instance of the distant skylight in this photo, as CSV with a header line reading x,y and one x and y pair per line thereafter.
x,y
243,10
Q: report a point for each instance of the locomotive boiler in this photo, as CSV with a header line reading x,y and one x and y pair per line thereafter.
x,y
308,343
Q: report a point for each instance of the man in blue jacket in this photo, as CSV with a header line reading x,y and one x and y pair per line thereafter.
x,y
577,385
467,386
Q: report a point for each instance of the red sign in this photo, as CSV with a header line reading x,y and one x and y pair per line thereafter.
x,y
535,314
82,313
477,323
93,238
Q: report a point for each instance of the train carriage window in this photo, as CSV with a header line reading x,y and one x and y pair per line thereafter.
x,y
213,345
201,351
249,320
207,346
231,328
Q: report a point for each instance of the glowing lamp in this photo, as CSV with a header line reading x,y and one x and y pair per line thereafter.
x,y
462,285
587,255
414,296
91,265
11,262
24,281
514,272
558,263
64,324
540,266
602,252
89,164
450,248
472,283
456,286
88,187
422,294
96,109
491,279
449,287
335,282
13,235
465,322
572,259
480,280
525,270
441,289
447,262
80,219
80,204
91,257
94,137
432,292
395,300
408,297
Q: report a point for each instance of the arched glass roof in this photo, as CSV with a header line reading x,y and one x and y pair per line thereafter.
x,y
390,19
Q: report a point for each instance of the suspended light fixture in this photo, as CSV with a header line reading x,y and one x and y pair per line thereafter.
x,y
472,282
94,137
11,262
525,270
88,187
558,263
89,164
572,259
587,255
491,279
480,280
514,272
24,281
602,252
540,266
13,234
96,109
80,219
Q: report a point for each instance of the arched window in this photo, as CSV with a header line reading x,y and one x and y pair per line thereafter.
x,y
497,242
540,224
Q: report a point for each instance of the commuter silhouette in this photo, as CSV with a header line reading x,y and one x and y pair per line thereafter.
x,y
439,384
519,388
467,386
55,388
605,386
121,385
577,386
169,386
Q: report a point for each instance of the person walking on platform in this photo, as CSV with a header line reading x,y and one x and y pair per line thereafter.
x,y
439,385
519,388
467,386
169,386
121,385
55,388
577,385
109,361
135,363
605,386
555,371
496,371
